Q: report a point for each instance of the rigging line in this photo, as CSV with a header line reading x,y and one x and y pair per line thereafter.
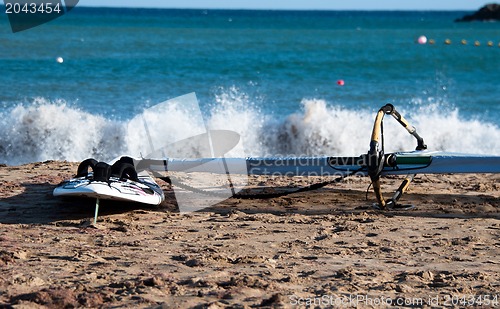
x,y
146,127
311,187
367,190
382,135
315,186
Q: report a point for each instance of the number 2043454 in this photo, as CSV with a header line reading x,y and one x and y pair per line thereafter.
x,y
33,8
471,300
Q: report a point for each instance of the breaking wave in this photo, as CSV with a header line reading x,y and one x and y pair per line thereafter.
x,y
57,131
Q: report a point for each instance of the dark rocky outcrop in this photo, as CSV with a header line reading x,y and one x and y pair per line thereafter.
x,y
486,13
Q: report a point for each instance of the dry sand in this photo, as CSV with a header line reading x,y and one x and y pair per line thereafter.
x,y
322,248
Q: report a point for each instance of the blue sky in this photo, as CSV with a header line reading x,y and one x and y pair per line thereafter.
x,y
298,4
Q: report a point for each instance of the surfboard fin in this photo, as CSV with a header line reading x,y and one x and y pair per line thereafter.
x,y
96,210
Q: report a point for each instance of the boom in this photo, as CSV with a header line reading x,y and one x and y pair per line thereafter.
x,y
374,164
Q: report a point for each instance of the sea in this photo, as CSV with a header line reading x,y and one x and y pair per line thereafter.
x,y
290,83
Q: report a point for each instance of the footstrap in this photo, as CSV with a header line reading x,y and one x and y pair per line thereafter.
x,y
101,171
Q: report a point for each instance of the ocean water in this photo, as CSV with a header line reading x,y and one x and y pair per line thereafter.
x,y
271,76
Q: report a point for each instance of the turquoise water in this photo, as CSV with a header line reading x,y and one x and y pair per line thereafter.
x,y
268,74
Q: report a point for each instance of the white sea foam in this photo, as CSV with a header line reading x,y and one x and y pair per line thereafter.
x,y
46,130
55,131
234,111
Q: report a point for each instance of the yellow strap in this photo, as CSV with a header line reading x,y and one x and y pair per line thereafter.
x,y
377,126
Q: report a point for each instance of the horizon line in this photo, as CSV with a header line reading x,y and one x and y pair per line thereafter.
x,y
274,9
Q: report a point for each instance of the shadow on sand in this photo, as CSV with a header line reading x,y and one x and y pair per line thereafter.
x,y
331,201
36,205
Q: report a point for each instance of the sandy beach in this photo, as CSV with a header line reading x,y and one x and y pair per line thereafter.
x,y
322,248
